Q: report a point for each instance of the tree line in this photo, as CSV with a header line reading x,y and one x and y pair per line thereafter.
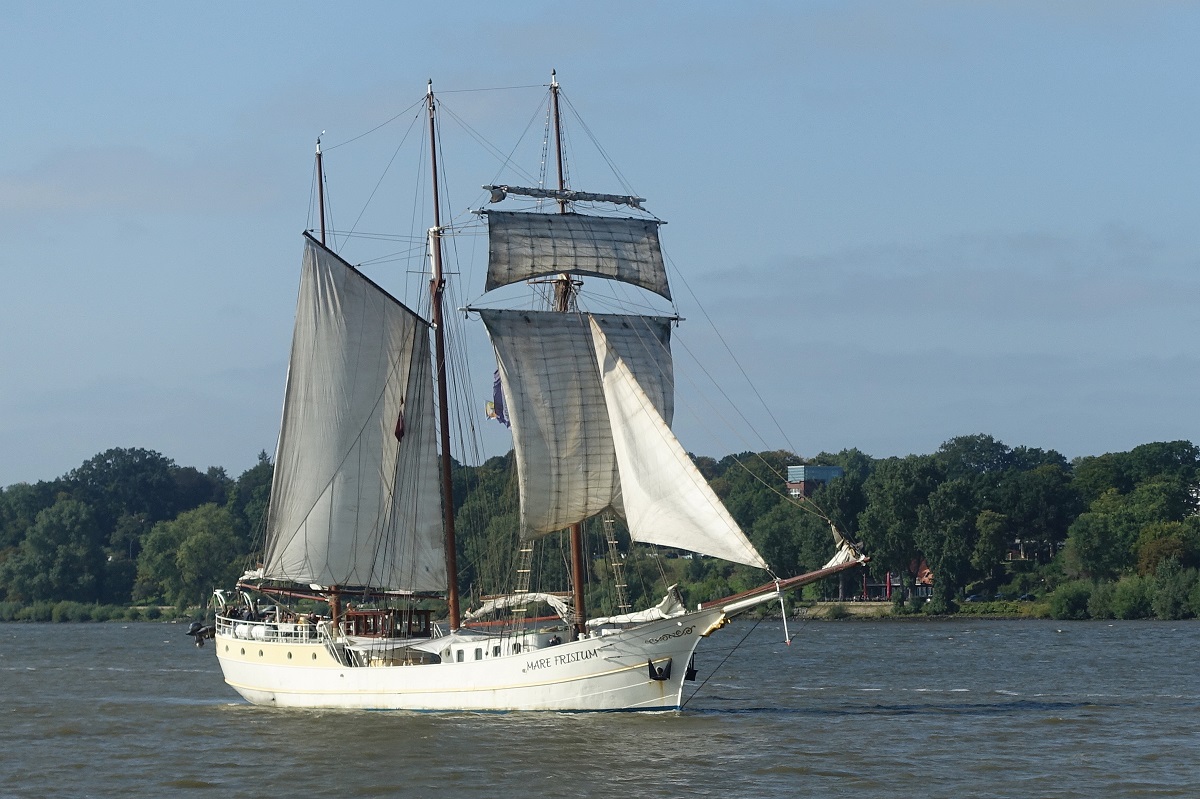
x,y
130,526
1114,535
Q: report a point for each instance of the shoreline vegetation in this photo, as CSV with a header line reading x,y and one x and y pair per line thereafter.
x,y
130,535
806,610
66,612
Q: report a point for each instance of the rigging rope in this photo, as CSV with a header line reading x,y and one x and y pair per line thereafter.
x,y
377,127
713,673
804,622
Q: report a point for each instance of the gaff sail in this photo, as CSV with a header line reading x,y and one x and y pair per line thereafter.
x,y
355,498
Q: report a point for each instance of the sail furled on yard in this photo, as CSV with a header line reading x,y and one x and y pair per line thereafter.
x,y
666,500
522,246
566,464
355,498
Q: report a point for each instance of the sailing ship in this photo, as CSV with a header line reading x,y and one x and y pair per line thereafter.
x,y
361,509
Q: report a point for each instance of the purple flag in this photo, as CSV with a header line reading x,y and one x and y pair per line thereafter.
x,y
495,408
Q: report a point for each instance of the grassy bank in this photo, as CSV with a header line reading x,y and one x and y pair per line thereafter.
x,y
885,610
79,611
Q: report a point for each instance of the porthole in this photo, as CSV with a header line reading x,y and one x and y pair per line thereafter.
x,y
226,647
314,655
289,655
243,650
260,653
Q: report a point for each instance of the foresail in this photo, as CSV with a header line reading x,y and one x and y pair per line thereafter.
x,y
566,464
355,497
522,246
666,499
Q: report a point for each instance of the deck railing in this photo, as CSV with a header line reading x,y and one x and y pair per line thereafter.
x,y
269,630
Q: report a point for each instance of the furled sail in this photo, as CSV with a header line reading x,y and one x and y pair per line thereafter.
x,y
566,464
523,246
355,498
666,499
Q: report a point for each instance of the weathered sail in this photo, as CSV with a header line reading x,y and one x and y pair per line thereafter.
x,y
666,499
566,463
355,497
524,246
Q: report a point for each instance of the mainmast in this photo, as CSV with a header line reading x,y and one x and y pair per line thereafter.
x,y
564,301
437,285
334,598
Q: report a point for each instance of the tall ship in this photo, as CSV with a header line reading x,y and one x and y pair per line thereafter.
x,y
356,602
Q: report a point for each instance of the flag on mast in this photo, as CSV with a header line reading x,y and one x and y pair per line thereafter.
x,y
495,407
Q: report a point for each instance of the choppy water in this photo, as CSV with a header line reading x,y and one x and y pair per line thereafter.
x,y
853,709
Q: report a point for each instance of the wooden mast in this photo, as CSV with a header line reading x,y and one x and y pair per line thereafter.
x,y
437,285
564,295
333,597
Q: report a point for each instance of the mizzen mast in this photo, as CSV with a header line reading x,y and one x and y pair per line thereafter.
x,y
437,286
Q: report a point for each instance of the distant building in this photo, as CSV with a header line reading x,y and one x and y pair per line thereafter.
x,y
802,481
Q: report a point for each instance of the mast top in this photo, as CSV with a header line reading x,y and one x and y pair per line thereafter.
x,y
553,79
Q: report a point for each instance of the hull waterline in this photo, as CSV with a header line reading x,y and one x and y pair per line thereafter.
x,y
609,672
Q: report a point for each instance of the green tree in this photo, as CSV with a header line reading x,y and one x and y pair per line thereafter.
x,y
1040,503
1070,600
970,456
1100,603
946,534
750,483
844,499
488,526
1102,543
992,534
895,491
1123,471
19,506
60,558
247,500
203,558
1133,598
182,560
1168,541
776,535
125,481
1177,459
1173,584
1096,476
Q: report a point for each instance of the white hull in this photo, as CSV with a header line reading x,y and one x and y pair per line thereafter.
x,y
609,672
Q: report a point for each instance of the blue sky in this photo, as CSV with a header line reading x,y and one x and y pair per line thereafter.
x,y
910,220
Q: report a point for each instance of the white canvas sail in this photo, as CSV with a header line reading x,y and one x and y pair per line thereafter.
x,y
355,497
523,246
666,499
566,463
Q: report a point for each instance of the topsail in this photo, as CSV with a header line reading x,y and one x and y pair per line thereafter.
x,y
522,246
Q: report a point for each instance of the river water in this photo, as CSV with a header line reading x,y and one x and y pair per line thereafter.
x,y
958,708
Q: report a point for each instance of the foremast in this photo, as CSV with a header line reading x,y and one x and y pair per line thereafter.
x,y
604,443
564,302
